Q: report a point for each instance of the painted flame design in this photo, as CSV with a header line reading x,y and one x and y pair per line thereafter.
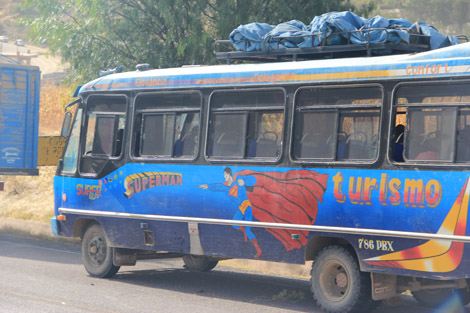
x,y
438,256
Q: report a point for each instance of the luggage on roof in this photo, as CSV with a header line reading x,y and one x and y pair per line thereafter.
x,y
334,34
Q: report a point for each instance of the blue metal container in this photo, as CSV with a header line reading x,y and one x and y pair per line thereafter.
x,y
19,118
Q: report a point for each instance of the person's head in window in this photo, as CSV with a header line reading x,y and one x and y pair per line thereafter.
x,y
399,133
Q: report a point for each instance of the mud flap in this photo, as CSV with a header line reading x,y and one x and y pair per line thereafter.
x,y
124,257
384,286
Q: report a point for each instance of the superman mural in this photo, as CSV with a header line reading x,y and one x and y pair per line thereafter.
x,y
290,197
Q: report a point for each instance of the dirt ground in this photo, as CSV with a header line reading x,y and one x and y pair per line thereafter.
x,y
47,63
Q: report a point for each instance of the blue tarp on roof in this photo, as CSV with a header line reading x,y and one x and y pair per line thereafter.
x,y
334,28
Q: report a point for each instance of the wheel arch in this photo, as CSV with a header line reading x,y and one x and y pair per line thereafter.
x,y
317,243
81,226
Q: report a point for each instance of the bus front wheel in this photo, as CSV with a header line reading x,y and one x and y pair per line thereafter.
x,y
337,283
97,255
199,263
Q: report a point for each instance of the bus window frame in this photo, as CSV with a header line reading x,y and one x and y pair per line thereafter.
x,y
339,107
80,107
146,115
98,115
392,118
246,110
84,130
133,129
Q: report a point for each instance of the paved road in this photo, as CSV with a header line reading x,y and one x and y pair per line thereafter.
x,y
9,47
44,276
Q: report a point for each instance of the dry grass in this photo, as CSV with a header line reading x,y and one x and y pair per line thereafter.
x,y
51,109
272,268
28,197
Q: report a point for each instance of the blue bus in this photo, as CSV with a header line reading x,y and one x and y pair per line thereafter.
x,y
359,164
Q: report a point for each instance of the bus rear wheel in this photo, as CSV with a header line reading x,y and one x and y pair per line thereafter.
x,y
97,255
199,263
434,297
337,283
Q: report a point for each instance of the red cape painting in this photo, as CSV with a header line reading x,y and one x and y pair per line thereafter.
x,y
291,197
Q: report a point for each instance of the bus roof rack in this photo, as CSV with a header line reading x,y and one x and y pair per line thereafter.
x,y
274,51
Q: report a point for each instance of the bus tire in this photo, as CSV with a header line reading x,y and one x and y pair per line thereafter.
x,y
97,255
431,298
199,263
337,283
464,295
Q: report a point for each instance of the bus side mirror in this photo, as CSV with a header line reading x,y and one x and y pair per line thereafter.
x,y
66,124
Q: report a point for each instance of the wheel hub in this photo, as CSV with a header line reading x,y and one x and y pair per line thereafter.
x,y
97,250
334,281
341,280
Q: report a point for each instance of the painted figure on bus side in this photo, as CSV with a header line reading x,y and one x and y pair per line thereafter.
x,y
237,192
290,197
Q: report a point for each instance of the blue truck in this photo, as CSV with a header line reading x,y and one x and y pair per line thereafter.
x,y
19,117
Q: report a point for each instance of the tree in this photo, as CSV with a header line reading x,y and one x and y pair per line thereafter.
x,y
450,17
97,34
230,14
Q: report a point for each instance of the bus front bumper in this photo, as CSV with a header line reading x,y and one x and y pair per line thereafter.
x,y
55,226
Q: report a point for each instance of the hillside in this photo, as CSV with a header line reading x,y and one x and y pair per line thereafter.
x,y
10,13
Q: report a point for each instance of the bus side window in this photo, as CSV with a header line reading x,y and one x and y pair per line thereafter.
x,y
227,136
337,124
267,130
119,140
463,144
167,125
430,134
316,134
169,135
246,124
397,142
157,134
101,134
437,118
188,142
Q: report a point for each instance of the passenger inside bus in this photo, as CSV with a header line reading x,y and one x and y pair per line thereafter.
x,y
398,137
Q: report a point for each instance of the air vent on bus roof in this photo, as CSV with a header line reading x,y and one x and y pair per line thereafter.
x,y
142,67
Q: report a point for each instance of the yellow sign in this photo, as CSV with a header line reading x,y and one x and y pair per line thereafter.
x,y
50,150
